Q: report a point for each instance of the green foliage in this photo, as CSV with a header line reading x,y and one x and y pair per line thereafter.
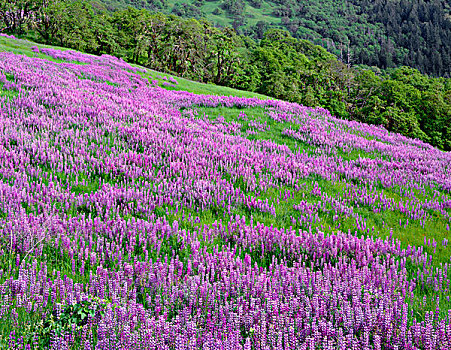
x,y
233,7
186,10
72,319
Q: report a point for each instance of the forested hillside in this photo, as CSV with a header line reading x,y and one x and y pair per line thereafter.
x,y
279,65
382,33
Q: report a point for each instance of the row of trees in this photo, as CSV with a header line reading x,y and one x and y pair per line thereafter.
x,y
403,100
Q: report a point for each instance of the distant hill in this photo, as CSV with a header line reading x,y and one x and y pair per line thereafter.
x,y
382,33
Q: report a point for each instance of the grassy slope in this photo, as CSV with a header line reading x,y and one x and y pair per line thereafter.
x,y
23,47
253,15
200,88
382,224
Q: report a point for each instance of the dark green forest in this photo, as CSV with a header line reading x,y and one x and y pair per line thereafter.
x,y
382,33
279,65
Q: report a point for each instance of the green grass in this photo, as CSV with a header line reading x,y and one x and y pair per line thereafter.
x,y
4,93
23,47
7,93
264,13
201,88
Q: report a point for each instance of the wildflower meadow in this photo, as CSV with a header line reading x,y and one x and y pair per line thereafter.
x,y
134,215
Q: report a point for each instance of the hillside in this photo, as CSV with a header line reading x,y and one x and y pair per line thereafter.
x,y
134,215
280,66
380,33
